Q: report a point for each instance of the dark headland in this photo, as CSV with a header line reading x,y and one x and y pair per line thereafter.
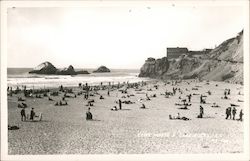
x,y
223,63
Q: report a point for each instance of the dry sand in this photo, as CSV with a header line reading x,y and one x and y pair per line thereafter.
x,y
64,129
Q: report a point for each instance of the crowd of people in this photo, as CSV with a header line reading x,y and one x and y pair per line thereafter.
x,y
89,91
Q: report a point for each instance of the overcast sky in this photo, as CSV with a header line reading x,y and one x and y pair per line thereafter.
x,y
117,37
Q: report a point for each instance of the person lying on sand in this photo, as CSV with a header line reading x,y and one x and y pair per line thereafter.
x,y
128,102
185,107
154,95
178,118
23,105
215,105
20,99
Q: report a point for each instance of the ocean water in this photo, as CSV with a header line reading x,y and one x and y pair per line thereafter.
x,y
20,77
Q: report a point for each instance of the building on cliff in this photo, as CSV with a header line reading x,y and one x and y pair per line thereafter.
x,y
176,52
173,53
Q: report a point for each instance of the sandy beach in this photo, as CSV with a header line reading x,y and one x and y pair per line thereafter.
x,y
132,130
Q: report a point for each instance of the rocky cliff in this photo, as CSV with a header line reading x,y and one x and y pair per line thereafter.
x,y
154,68
224,63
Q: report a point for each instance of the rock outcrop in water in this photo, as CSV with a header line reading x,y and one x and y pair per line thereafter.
x,y
102,69
45,68
67,71
49,69
82,72
223,63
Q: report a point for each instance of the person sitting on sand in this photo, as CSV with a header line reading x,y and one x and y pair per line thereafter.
x,y
23,115
56,104
32,114
215,105
101,97
89,115
114,108
50,99
143,106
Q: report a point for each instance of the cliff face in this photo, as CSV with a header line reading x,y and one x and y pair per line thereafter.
x,y
224,63
154,68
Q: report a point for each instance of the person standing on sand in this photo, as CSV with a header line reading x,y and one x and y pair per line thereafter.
x,y
240,115
32,114
120,104
189,97
234,113
230,112
201,112
23,116
227,114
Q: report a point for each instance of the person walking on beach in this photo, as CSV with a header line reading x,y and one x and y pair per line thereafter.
x,y
234,113
120,104
32,114
23,116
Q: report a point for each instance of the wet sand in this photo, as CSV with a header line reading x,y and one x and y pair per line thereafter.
x,y
65,130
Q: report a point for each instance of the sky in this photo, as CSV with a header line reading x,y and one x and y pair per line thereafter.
x,y
120,37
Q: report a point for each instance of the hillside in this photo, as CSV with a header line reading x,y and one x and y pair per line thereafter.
x,y
223,63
